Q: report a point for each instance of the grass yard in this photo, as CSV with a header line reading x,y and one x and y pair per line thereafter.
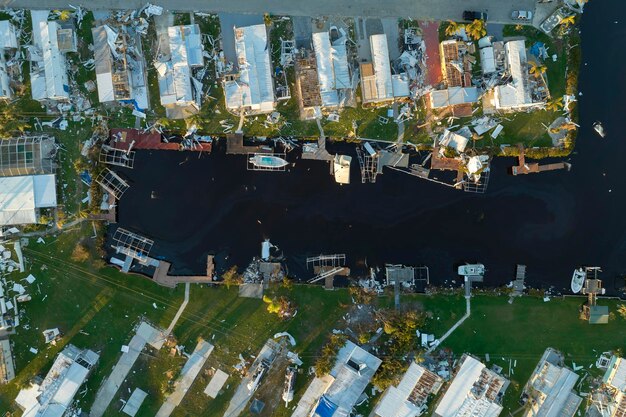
x,y
526,128
523,330
97,308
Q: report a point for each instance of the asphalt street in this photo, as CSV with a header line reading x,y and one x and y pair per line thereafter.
x,y
499,11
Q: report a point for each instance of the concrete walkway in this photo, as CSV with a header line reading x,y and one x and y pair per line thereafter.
x,y
190,371
180,310
145,334
468,310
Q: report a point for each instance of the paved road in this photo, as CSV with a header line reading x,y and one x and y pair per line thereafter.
x,y
498,10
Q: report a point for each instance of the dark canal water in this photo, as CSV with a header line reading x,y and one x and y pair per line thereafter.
x,y
551,222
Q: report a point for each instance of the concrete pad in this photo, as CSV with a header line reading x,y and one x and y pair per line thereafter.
x,y
134,402
251,290
145,334
216,383
190,371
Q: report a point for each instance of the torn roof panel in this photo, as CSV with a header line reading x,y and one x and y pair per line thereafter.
x,y
54,72
255,69
382,67
8,37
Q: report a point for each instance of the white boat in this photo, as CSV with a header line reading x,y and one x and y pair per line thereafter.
x,y
597,126
578,279
472,270
267,161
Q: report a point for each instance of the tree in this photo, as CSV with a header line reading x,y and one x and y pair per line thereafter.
x,y
280,306
477,29
519,27
326,359
452,28
232,277
554,105
537,70
621,310
568,21
64,14
80,253
10,122
267,18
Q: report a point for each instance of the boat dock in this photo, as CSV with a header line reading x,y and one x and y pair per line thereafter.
x,y
520,277
319,152
235,146
126,139
446,164
162,277
524,167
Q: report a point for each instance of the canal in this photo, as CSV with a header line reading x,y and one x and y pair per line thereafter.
x,y
552,222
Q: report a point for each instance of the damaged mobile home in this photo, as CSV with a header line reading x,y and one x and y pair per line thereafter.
x,y
48,64
251,89
179,58
377,83
120,66
8,46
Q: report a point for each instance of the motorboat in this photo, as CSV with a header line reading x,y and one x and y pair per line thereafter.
x,y
597,126
268,161
471,270
578,279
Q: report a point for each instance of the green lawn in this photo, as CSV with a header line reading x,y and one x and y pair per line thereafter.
x,y
523,330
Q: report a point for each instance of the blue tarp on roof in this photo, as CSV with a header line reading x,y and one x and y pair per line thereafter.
x,y
325,408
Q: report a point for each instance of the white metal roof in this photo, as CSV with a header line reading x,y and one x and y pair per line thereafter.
x,y
400,84
340,64
516,93
395,401
45,190
453,96
175,84
487,60
382,67
350,384
325,71
460,401
255,87
616,374
5,88
45,39
555,384
21,196
57,391
8,38
17,201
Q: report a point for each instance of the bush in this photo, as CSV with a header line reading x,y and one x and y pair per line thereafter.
x,y
80,253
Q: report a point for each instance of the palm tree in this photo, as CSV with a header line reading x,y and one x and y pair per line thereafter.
x,y
63,14
554,105
476,29
267,18
519,27
537,70
452,28
568,21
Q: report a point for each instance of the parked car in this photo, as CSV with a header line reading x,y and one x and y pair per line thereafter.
x,y
471,16
524,15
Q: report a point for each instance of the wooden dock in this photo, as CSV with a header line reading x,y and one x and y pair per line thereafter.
x,y
162,277
447,164
123,138
235,146
524,167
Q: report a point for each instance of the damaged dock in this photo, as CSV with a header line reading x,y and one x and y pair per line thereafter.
x,y
524,167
